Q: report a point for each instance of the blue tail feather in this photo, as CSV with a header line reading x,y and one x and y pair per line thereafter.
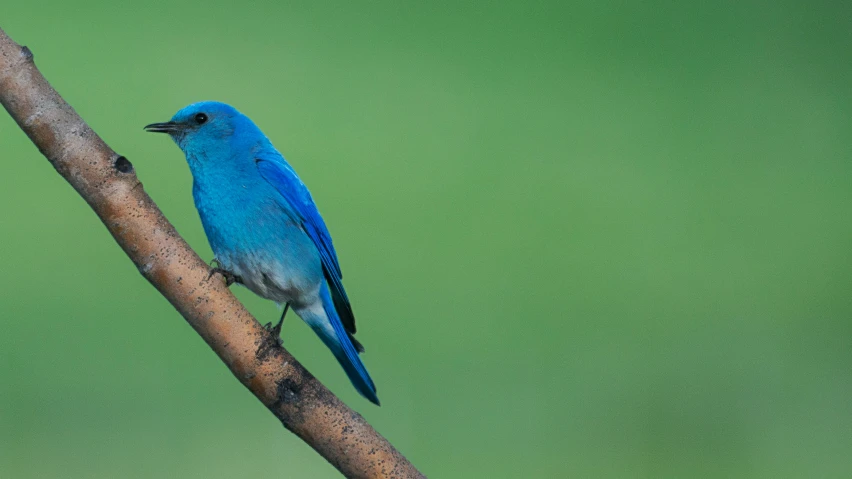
x,y
346,352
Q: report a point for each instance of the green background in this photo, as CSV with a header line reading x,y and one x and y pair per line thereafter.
x,y
588,239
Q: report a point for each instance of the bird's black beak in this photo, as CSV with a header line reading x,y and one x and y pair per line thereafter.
x,y
167,127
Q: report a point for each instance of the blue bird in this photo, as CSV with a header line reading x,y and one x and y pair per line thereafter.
x,y
264,228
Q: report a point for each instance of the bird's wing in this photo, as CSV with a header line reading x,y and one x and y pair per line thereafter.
x,y
281,176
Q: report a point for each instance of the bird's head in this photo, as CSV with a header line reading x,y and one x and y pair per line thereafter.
x,y
206,127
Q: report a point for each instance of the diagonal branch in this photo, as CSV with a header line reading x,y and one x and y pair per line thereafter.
x,y
109,185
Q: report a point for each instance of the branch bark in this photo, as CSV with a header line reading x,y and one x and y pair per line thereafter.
x,y
108,183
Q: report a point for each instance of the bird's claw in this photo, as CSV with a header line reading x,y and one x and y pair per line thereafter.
x,y
275,332
230,278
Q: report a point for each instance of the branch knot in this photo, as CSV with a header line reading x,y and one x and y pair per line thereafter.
x,y
27,53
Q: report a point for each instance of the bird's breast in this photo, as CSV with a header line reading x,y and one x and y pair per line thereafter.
x,y
253,236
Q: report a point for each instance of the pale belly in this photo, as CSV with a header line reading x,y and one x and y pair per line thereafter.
x,y
278,276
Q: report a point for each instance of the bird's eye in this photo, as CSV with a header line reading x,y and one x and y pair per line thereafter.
x,y
200,118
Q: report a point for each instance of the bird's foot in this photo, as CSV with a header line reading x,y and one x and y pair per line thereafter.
x,y
230,278
275,331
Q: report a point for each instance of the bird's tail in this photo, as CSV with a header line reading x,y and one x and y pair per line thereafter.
x,y
329,328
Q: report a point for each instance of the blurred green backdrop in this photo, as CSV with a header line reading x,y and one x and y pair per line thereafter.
x,y
589,239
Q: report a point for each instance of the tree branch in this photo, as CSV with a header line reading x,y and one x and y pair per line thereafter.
x,y
109,185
